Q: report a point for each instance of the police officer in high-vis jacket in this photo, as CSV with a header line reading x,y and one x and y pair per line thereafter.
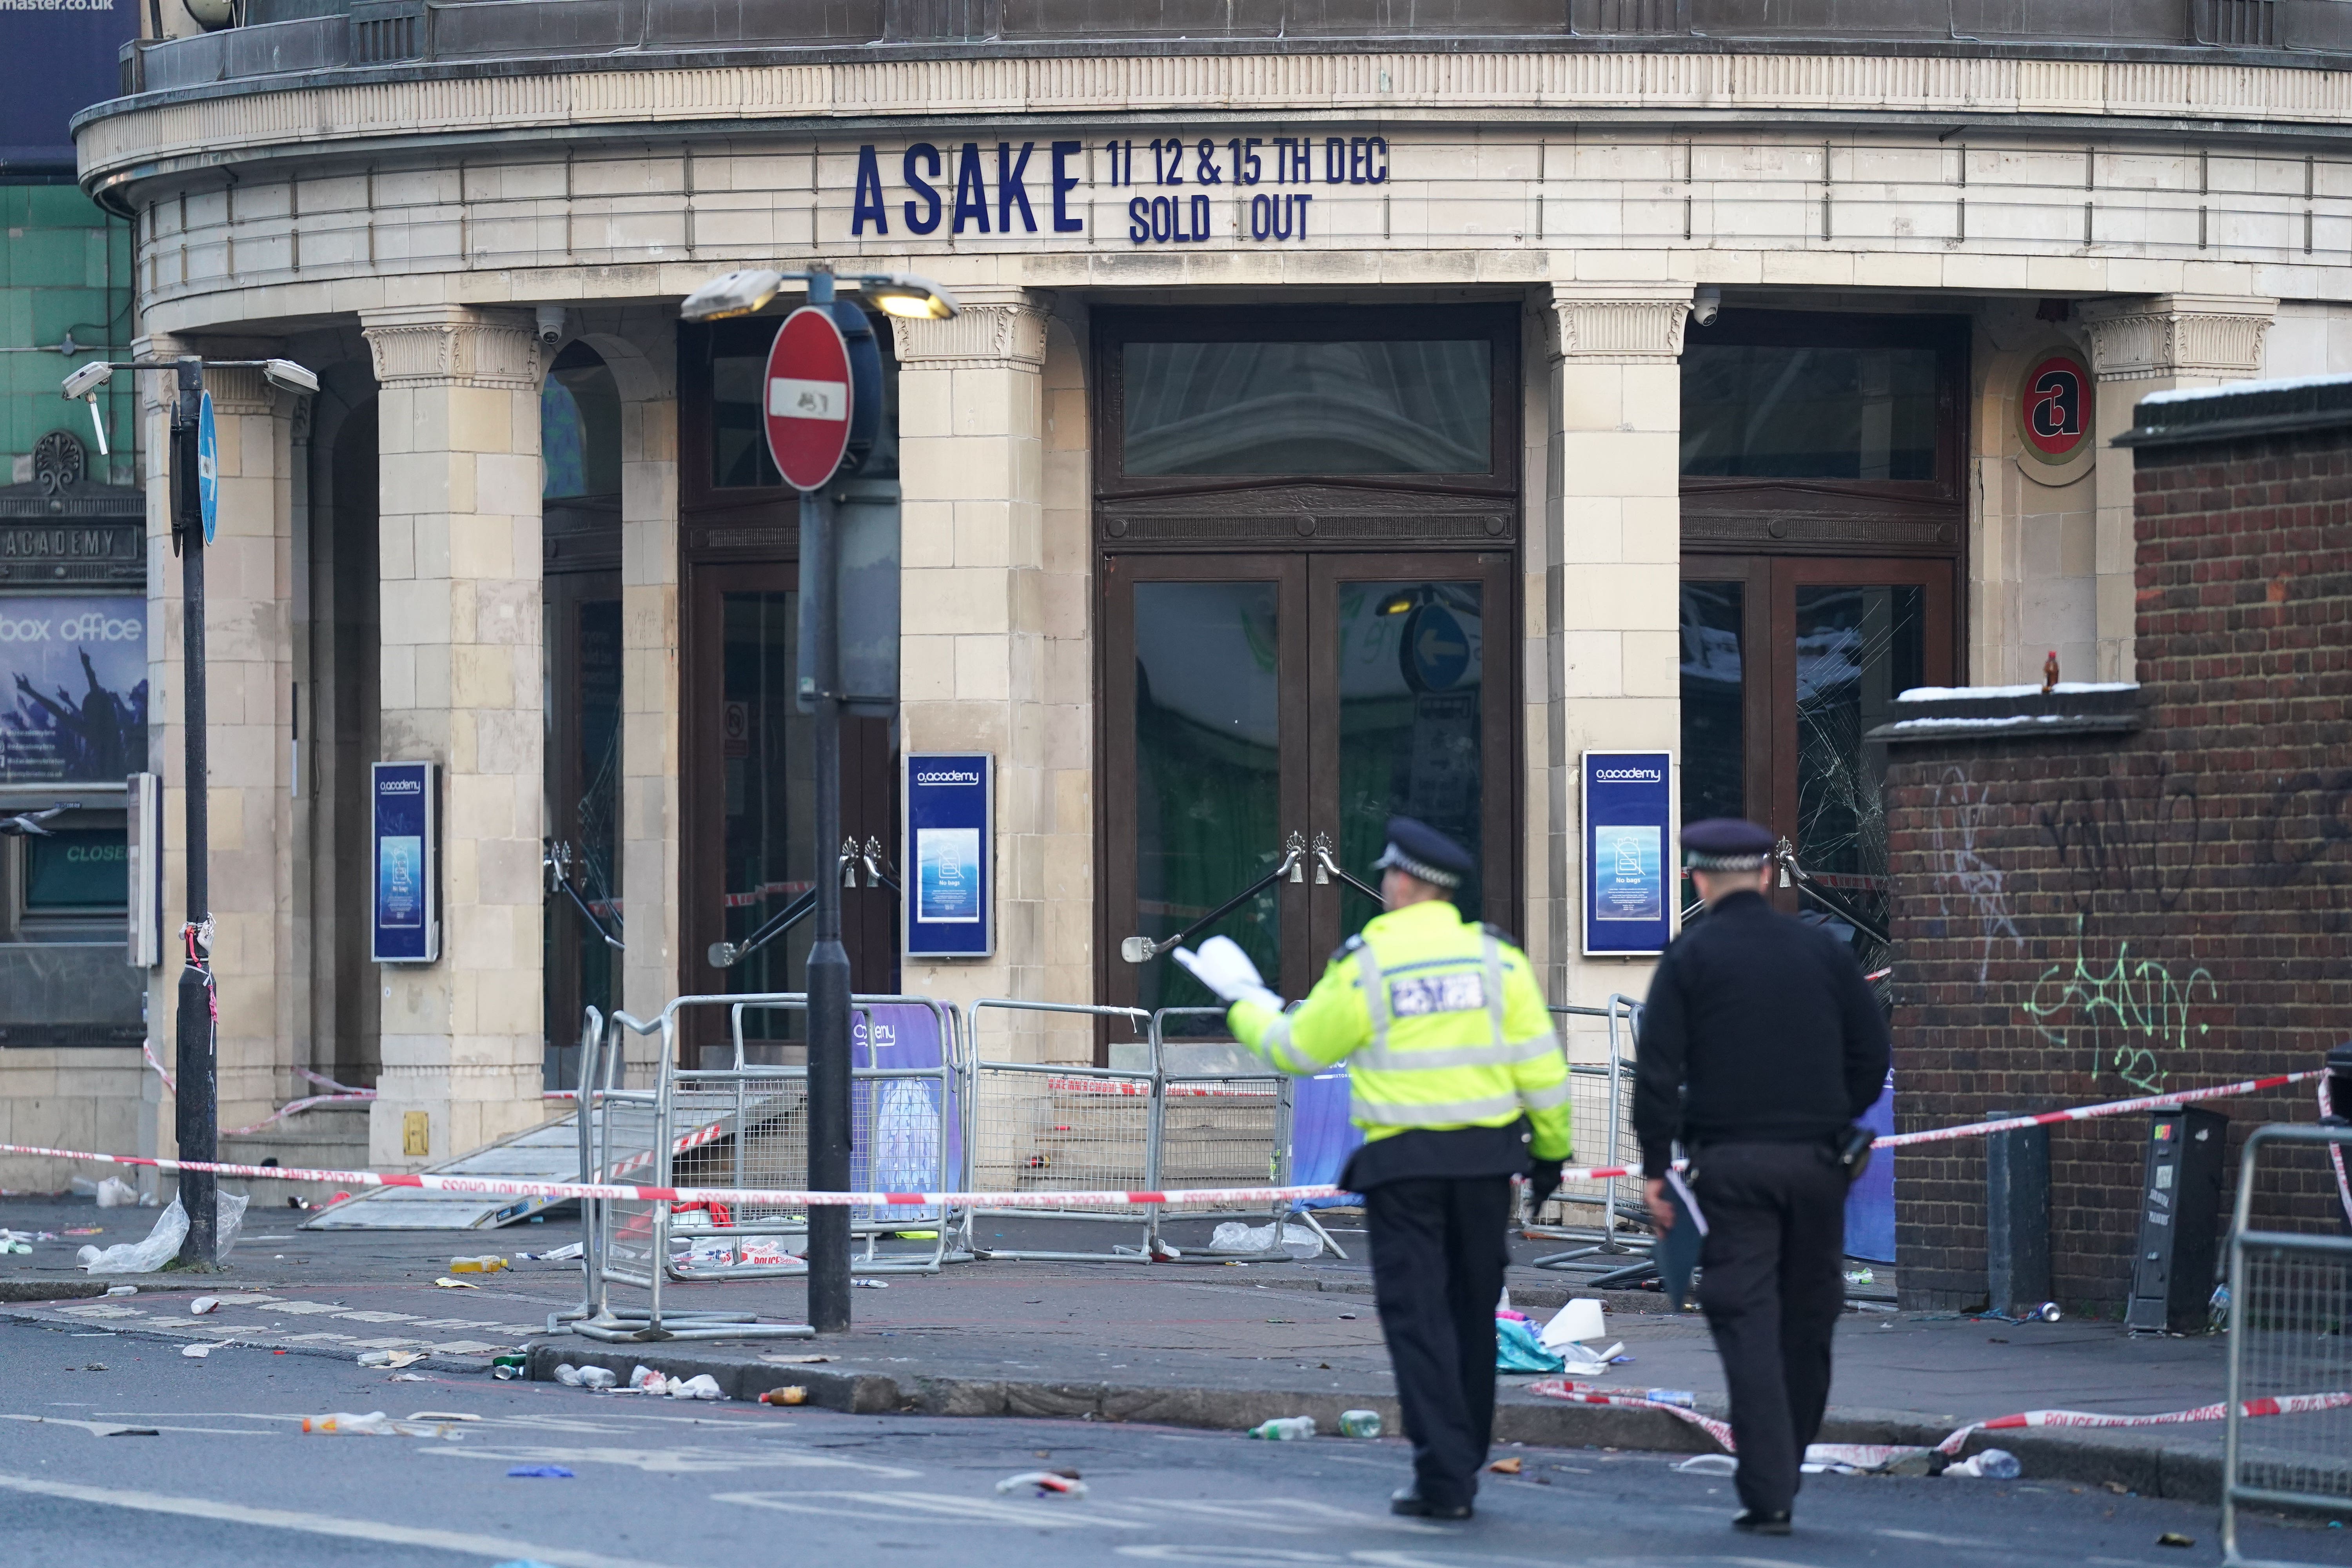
x,y
1459,1084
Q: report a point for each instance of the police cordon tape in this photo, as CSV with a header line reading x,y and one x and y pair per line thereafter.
x,y
508,1186
1870,1455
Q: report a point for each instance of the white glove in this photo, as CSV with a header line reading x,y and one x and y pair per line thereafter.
x,y
1225,969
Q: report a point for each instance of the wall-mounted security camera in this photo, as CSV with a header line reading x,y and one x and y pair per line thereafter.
x,y
1705,302
551,324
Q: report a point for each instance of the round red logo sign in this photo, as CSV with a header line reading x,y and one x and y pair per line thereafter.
x,y
2053,407
808,398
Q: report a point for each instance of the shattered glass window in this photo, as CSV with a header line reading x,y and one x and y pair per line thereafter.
x,y
1857,647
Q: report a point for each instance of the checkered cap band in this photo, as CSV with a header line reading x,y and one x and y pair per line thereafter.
x,y
1405,863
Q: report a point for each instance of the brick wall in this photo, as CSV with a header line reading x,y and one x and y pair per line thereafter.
x,y
2098,916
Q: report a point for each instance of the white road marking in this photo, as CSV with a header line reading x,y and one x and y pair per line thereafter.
x,y
108,1428
504,1549
1264,1513
904,1508
675,1461
1928,1538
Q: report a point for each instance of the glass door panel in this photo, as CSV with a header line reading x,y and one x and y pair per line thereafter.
x,y
1857,645
584,800
767,844
1715,698
1254,700
1208,769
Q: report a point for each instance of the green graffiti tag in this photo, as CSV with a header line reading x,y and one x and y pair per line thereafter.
x,y
2145,1000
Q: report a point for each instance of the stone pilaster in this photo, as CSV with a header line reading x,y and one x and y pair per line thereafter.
x,y
249,669
462,674
1610,596
2143,346
993,635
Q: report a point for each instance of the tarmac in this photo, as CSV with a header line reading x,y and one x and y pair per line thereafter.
x,y
1219,1345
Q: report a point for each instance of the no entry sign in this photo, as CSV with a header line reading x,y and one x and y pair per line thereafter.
x,y
809,402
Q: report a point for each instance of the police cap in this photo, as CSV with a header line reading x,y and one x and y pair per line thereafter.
x,y
1420,851
1726,844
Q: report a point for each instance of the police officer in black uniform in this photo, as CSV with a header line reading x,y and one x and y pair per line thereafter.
x,y
1760,1048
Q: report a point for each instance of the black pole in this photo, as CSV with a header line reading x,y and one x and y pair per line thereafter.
x,y
197,1118
828,961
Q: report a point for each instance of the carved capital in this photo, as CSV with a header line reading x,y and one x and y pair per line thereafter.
x,y
239,389
1004,328
450,346
1619,323
2160,336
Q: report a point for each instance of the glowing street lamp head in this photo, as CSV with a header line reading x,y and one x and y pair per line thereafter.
x,y
904,294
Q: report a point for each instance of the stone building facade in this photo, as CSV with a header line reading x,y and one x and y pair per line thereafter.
x,y
1343,415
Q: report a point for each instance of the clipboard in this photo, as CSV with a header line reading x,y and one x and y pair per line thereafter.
x,y
1677,1251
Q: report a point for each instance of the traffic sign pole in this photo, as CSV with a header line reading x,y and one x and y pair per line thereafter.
x,y
808,409
195,494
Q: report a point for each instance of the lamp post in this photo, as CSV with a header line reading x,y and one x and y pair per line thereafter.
x,y
193,497
899,294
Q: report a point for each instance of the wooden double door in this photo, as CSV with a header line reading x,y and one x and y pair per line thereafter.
x,y
1252,702
1788,664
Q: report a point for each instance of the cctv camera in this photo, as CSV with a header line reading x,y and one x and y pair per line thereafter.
x,y
1705,303
551,324
88,379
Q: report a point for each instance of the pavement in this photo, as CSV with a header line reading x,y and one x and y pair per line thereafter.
x,y
1213,1346
121,1451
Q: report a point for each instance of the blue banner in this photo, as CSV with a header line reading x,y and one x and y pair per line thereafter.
x,y
1629,888
405,918
950,894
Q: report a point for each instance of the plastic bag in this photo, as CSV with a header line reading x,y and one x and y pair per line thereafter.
x,y
114,1192
1233,1236
163,1243
1992,1465
1516,1349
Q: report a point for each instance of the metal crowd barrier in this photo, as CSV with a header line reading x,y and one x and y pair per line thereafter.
x,y
625,1134
1601,1097
905,1133
1047,1127
2290,1334
1218,1130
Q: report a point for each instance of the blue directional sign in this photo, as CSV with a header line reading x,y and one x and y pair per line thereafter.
x,y
1629,896
208,465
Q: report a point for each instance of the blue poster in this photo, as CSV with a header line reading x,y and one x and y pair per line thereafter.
x,y
404,923
907,1137
947,852
1628,888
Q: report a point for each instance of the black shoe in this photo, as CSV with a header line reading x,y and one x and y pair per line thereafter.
x,y
1409,1500
1753,1522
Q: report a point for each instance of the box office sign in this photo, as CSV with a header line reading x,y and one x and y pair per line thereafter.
x,y
951,885
1628,899
405,919
1171,190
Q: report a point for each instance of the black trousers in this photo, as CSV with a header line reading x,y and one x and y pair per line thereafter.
x,y
1438,1254
1772,1288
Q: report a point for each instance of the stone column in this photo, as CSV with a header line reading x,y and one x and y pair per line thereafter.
x,y
1610,600
993,642
248,668
2152,343
461,680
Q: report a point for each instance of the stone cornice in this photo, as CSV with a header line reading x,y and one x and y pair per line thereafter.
x,y
1627,324
449,344
135,138
2165,335
992,327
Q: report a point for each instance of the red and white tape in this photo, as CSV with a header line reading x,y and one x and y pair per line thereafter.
x,y
496,1186
2282,1405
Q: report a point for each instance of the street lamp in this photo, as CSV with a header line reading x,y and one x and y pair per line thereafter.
x,y
196,1102
740,293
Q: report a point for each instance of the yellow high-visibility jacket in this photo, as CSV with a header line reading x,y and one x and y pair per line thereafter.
x,y
1442,1024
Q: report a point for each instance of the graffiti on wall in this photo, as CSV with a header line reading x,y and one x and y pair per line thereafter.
x,y
2127,1010
1964,875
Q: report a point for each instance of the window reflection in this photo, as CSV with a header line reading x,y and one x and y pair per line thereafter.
x,y
580,426
1714,692
1410,660
1424,407
1759,411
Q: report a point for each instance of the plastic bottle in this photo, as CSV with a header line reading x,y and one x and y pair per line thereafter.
x,y
1681,1396
343,1424
1285,1429
1992,1465
1359,1424
489,1263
